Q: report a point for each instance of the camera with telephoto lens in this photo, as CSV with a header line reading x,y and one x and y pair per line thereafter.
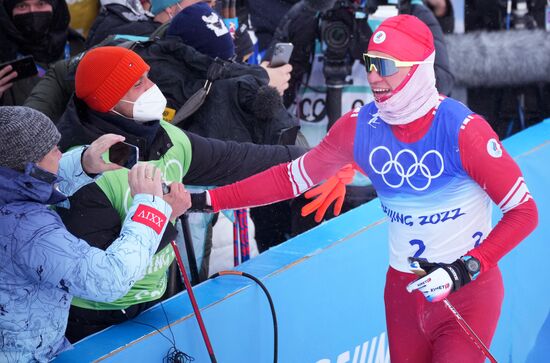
x,y
346,33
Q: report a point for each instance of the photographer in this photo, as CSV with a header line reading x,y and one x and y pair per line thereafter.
x,y
43,265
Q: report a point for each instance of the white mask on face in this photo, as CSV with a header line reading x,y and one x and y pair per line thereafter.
x,y
149,106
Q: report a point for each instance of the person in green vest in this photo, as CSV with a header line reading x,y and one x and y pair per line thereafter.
x,y
113,94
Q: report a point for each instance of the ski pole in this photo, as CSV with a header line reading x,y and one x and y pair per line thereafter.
x,y
236,260
243,234
470,332
463,324
241,245
194,303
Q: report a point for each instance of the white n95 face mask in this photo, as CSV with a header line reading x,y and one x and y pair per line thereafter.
x,y
149,106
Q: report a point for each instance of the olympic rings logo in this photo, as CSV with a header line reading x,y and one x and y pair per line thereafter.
x,y
408,173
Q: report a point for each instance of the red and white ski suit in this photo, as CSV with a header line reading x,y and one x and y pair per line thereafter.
x,y
435,178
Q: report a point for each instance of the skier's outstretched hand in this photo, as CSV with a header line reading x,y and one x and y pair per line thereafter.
x,y
333,190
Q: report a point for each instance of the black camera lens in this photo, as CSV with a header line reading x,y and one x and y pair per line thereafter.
x,y
336,35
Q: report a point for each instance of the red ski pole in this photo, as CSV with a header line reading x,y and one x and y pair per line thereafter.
x,y
470,332
194,303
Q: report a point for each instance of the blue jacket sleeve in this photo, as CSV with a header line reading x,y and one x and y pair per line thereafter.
x,y
58,259
71,172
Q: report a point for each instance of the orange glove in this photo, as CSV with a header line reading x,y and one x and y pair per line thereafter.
x,y
334,189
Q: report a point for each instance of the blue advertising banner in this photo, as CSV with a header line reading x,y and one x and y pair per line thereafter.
x,y
327,288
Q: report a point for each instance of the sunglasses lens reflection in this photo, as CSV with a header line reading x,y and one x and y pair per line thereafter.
x,y
384,67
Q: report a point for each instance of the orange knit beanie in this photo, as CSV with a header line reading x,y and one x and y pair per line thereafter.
x,y
105,74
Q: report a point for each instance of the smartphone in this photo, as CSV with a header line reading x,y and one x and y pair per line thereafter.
x,y
25,67
281,54
124,154
165,188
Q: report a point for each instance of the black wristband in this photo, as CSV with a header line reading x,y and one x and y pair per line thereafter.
x,y
458,272
198,203
93,176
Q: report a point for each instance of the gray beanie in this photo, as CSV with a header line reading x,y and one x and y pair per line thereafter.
x,y
26,135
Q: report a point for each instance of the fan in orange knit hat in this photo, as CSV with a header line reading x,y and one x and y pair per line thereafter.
x,y
105,74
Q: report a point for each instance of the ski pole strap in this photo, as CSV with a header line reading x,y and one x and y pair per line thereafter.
x,y
193,103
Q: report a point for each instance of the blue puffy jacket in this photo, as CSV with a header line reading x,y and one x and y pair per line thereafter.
x,y
42,265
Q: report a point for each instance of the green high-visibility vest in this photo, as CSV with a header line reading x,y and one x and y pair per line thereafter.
x,y
174,165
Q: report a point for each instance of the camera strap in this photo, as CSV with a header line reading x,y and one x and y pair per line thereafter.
x,y
215,71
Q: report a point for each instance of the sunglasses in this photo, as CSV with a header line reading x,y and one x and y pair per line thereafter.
x,y
386,66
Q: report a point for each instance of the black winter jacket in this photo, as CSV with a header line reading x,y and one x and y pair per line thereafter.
x,y
94,218
240,105
265,16
119,19
50,48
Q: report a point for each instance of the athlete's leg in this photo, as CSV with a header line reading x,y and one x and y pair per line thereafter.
x,y
407,341
479,304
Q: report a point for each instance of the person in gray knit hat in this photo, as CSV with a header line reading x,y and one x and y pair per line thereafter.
x,y
26,135
37,253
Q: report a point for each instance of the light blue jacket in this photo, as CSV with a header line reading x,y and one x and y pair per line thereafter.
x,y
42,265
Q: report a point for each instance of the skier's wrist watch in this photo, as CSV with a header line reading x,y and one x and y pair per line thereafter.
x,y
473,266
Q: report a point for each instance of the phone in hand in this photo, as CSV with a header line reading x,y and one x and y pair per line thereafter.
x,y
281,54
25,67
124,154
165,187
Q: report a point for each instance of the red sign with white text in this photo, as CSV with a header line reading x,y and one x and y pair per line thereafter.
x,y
150,217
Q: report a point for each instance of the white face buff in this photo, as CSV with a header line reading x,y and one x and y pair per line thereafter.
x,y
415,99
149,106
